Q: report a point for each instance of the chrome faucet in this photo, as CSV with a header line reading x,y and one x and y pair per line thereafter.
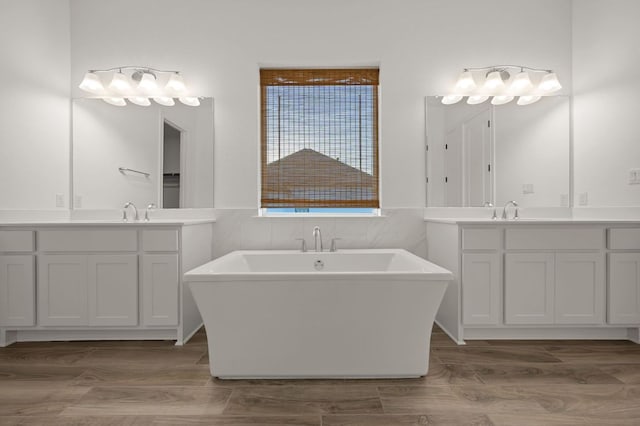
x,y
488,204
504,210
124,212
146,212
317,235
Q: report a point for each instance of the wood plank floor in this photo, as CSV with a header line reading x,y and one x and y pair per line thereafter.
x,y
483,383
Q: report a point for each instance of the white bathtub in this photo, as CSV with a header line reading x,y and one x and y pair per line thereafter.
x,y
288,314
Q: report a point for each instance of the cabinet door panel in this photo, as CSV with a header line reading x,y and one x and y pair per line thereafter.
x,y
113,290
17,290
62,290
529,282
579,291
160,289
624,288
481,288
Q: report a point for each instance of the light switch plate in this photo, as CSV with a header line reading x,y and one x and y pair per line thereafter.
x,y
527,188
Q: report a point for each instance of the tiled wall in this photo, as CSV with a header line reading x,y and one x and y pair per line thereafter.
x,y
238,229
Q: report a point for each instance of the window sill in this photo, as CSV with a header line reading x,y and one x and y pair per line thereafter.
x,y
319,216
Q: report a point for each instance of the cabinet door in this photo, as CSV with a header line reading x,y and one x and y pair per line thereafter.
x,y
624,288
17,290
480,288
160,289
113,290
528,287
579,291
62,290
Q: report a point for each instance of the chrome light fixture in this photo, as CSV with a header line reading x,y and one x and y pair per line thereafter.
x,y
138,85
503,83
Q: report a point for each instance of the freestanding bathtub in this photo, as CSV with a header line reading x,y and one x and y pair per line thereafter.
x,y
289,314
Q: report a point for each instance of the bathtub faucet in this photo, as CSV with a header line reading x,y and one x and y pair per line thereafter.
x,y
317,235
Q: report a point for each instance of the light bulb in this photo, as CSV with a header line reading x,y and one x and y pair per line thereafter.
x,y
465,82
550,83
521,83
477,99
176,83
164,100
139,100
147,83
120,83
115,101
91,83
528,100
494,81
451,99
190,100
501,100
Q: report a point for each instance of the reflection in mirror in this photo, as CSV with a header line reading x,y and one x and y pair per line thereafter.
x,y
479,154
154,154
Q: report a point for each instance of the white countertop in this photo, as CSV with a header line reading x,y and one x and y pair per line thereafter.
x,y
102,222
530,221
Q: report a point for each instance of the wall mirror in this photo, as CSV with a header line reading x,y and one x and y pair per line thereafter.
x,y
479,154
154,154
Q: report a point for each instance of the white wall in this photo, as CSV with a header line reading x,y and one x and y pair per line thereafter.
x,y
420,45
606,72
34,106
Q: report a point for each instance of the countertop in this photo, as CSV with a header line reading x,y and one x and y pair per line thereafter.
x,y
102,222
531,221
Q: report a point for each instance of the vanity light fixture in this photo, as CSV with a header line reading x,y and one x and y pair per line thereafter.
x,y
497,81
501,100
138,85
476,99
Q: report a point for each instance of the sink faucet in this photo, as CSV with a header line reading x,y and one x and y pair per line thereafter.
x,y
124,212
146,213
317,235
488,204
504,210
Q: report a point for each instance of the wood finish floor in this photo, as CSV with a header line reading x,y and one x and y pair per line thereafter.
x,y
483,383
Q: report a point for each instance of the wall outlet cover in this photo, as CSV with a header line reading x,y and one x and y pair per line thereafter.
x,y
564,200
59,200
527,188
634,176
583,199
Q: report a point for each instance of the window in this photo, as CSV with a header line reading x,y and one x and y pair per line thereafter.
x,y
319,145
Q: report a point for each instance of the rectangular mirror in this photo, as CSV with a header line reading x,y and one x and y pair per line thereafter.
x,y
479,154
154,154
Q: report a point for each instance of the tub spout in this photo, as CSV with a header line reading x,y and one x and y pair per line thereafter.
x,y
317,236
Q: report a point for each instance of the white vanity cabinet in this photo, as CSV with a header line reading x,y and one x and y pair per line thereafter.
x,y
482,277
624,276
17,278
93,281
538,279
554,275
94,290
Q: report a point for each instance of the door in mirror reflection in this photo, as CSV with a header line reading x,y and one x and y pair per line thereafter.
x,y
172,144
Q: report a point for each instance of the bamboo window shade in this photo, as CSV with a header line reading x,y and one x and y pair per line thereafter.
x,y
319,138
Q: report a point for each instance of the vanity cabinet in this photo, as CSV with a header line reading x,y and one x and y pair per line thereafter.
x,y
17,290
109,281
556,279
17,278
481,273
96,290
548,288
160,289
624,276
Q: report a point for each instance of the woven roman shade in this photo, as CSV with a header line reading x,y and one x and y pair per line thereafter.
x,y
319,142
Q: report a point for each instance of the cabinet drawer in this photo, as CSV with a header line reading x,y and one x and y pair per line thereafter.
x,y
16,241
88,240
624,238
160,240
554,239
481,239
